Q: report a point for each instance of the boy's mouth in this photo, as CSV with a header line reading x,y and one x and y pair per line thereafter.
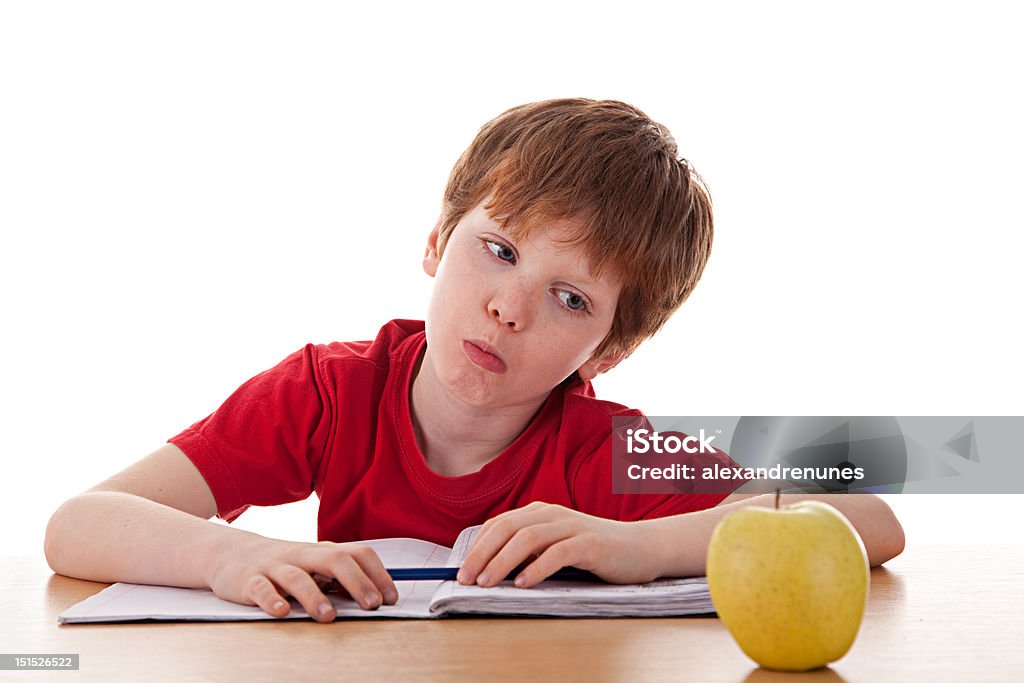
x,y
484,355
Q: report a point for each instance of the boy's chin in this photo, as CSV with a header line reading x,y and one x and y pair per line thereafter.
x,y
492,392
477,393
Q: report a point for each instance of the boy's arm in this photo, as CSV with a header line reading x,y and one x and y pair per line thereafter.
x,y
149,524
636,552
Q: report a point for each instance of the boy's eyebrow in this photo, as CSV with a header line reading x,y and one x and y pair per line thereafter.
x,y
589,279
589,274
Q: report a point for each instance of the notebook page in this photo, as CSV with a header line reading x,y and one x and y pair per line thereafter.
x,y
462,545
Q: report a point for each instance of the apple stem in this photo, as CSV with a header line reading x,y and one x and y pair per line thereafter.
x,y
778,494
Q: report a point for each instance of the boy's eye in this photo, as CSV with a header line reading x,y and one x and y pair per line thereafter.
x,y
572,301
502,251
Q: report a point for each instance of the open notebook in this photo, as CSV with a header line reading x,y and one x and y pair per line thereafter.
x,y
417,599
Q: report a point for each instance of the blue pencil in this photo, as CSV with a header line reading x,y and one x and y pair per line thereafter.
x,y
448,574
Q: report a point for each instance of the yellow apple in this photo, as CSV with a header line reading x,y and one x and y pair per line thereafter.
x,y
789,583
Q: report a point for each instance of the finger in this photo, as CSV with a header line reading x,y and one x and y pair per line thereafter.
x,y
327,584
530,541
496,532
569,552
340,564
370,563
265,596
297,583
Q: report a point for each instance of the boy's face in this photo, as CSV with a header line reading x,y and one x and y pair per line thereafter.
x,y
509,320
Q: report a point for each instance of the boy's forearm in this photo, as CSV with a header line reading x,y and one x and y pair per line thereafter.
x,y
682,540
110,536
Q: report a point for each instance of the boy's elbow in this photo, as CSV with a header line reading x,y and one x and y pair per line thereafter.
x,y
888,540
52,543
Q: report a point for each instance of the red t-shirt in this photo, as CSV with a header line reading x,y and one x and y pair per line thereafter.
x,y
335,419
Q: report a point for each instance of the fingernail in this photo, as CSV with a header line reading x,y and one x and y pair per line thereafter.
x,y
520,581
461,576
483,579
391,596
371,601
279,604
325,609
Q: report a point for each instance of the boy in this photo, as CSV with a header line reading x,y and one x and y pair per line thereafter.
x,y
569,233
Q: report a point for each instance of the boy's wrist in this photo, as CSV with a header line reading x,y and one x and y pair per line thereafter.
x,y
217,546
674,550
657,545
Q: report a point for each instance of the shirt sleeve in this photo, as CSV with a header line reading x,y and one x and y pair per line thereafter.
x,y
263,446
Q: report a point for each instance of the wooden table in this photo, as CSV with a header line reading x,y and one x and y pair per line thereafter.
x,y
936,613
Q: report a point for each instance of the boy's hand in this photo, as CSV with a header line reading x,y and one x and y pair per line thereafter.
x,y
264,571
554,537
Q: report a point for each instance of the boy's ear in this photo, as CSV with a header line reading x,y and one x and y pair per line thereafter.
x,y
595,366
431,259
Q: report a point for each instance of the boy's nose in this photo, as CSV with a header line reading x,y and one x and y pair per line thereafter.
x,y
509,305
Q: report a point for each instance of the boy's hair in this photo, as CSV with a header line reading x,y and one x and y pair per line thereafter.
x,y
646,214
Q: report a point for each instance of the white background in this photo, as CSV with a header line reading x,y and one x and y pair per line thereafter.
x,y
189,191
